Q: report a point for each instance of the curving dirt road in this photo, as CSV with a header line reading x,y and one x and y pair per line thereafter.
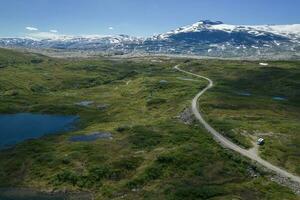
x,y
227,143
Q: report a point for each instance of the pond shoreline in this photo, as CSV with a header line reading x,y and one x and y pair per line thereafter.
x,y
9,193
22,127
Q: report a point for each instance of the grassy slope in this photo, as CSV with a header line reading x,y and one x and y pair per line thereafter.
x,y
242,117
152,155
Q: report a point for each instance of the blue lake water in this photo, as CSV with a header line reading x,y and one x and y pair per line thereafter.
x,y
16,128
91,137
279,98
247,94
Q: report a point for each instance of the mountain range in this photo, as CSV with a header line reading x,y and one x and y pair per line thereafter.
x,y
204,38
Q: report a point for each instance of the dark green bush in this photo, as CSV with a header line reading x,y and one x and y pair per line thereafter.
x,y
144,137
153,172
67,176
99,173
122,128
188,190
156,101
38,88
166,159
128,163
36,60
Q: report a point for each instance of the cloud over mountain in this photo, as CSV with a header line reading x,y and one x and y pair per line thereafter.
x,y
29,28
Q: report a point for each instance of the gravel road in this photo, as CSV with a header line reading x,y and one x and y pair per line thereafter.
x,y
227,143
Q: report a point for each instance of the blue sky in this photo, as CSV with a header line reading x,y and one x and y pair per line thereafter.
x,y
136,17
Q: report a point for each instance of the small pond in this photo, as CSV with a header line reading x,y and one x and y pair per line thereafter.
x,y
15,128
247,94
280,98
91,137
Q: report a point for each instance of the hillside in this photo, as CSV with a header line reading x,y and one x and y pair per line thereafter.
x,y
153,153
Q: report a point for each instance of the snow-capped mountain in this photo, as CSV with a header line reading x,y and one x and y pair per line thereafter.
x,y
291,31
89,42
209,38
204,38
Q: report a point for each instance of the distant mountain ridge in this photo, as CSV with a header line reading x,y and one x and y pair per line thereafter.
x,y
204,38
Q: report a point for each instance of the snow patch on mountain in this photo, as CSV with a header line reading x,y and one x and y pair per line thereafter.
x,y
205,38
290,31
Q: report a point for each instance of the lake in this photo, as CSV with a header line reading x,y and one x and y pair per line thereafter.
x,y
279,98
247,94
15,128
30,194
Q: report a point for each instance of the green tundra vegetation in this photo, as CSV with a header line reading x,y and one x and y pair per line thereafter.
x,y
243,107
153,154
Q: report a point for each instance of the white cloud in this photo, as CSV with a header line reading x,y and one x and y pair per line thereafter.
x,y
111,28
37,35
53,31
29,28
47,35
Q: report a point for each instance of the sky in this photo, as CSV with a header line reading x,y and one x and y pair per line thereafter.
x,y
135,17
